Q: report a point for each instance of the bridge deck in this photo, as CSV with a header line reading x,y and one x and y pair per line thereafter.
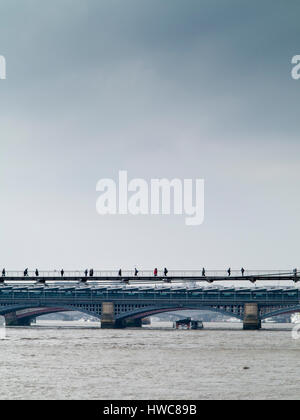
x,y
151,279
143,301
27,291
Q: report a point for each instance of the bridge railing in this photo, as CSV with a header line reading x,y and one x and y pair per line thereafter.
x,y
150,273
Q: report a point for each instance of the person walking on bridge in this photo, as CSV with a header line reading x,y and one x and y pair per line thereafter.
x,y
295,271
203,272
3,272
243,271
91,272
166,272
62,273
136,272
120,272
26,272
229,272
86,272
155,272
37,273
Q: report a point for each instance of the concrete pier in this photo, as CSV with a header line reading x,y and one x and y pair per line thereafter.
x,y
251,317
11,320
108,315
133,323
108,320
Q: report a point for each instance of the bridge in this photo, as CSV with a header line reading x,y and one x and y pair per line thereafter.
x,y
119,305
147,276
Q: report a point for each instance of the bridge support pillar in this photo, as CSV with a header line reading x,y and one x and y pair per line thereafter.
x,y
133,323
11,320
251,317
108,315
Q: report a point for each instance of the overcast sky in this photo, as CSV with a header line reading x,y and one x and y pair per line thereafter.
x,y
172,88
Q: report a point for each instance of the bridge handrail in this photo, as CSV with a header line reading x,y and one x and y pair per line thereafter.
x,y
150,273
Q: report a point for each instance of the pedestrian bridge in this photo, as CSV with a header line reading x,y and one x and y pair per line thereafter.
x,y
148,277
121,306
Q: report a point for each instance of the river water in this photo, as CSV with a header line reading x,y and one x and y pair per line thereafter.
x,y
66,362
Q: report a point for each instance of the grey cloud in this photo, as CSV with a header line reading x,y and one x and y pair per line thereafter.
x,y
163,89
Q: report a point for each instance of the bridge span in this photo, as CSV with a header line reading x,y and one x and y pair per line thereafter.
x,y
118,306
148,277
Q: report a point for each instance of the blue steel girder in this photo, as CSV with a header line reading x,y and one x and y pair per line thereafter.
x,y
138,301
269,312
6,309
140,311
228,310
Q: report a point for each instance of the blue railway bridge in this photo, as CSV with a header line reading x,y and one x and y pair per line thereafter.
x,y
122,305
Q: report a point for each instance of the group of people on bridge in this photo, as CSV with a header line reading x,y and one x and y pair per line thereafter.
x,y
90,272
87,273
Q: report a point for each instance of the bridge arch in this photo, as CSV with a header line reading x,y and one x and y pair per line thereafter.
x,y
281,311
36,311
150,311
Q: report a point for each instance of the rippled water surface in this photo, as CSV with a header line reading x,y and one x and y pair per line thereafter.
x,y
47,362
